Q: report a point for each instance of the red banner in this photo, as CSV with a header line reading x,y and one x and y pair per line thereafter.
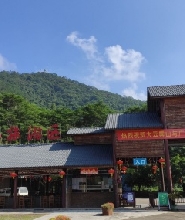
x,y
89,171
149,134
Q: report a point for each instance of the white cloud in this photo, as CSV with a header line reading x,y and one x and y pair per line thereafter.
x,y
87,45
6,65
131,91
114,65
125,65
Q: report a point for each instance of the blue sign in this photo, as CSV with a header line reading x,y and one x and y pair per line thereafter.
x,y
139,161
129,196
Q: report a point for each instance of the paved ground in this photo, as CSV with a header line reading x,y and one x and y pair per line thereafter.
x,y
119,214
96,215
145,212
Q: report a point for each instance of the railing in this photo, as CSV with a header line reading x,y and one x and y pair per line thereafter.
x,y
180,200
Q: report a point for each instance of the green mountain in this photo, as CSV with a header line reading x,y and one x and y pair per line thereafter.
x,y
48,89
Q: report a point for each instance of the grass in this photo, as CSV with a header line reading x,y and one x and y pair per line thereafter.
x,y
20,216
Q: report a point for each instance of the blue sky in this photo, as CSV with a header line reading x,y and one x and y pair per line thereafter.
x,y
122,46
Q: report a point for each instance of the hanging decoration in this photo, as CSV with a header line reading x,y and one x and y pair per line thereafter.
x,y
124,169
119,163
162,161
154,168
61,174
111,172
13,175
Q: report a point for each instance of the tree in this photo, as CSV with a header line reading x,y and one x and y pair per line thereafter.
x,y
16,111
177,164
92,115
141,108
142,177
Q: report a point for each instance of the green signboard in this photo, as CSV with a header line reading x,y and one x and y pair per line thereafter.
x,y
163,199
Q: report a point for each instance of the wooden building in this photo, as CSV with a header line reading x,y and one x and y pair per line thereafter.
x,y
87,161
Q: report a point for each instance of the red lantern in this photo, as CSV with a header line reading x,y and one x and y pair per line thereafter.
x,y
162,161
49,179
154,168
124,169
62,173
111,172
120,163
13,175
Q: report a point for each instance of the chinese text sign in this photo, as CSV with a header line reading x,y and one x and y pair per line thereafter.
x,y
149,134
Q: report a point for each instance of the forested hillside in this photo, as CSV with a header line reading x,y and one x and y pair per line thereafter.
x,y
49,90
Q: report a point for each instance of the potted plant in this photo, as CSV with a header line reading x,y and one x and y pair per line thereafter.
x,y
60,217
107,208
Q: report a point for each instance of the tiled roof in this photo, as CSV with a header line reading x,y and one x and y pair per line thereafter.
x,y
133,120
166,91
95,130
55,155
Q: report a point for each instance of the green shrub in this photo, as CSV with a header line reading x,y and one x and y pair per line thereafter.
x,y
108,205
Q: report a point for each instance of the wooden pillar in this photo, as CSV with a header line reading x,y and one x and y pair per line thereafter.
x,y
115,184
47,185
64,188
15,191
168,167
166,149
115,187
162,178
